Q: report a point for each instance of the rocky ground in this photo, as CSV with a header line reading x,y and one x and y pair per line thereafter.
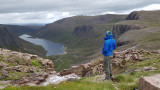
x,y
23,69
120,61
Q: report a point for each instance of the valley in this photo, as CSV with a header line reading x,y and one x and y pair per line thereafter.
x,y
10,40
51,47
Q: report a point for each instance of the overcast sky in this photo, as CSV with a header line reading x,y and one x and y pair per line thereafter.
x,y
47,11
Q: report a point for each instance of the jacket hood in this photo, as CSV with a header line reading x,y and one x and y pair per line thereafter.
x,y
108,37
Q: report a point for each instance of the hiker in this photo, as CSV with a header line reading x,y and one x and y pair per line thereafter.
x,y
108,47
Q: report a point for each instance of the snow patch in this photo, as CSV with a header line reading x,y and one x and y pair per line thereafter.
x,y
55,79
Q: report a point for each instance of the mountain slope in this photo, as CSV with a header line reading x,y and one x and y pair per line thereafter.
x,y
19,30
10,41
7,39
61,30
140,28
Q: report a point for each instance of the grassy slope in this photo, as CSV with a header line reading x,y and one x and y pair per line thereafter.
x,y
125,81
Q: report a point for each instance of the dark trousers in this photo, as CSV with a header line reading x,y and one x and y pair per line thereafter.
x,y
108,66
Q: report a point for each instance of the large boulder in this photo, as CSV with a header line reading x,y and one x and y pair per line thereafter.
x,y
149,83
149,68
85,70
78,70
33,79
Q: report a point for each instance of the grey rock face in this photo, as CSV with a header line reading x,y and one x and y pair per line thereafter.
x,y
119,29
84,30
133,16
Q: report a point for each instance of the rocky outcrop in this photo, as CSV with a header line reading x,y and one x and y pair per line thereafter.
x,y
18,58
84,70
133,16
135,21
120,60
149,68
84,30
144,16
120,28
25,68
32,79
149,83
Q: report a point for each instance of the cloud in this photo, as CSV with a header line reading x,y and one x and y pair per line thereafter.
x,y
151,7
146,8
47,11
32,17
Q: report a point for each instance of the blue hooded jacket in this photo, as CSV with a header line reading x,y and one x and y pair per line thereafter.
x,y
109,45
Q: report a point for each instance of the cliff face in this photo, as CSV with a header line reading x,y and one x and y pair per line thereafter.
x,y
7,39
84,30
133,16
120,28
137,20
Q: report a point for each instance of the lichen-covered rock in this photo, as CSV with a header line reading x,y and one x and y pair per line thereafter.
x,y
23,68
78,70
88,69
149,68
35,79
149,83
18,58
119,29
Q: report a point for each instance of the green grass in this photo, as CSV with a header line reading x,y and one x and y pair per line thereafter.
x,y
36,63
154,62
129,81
76,85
